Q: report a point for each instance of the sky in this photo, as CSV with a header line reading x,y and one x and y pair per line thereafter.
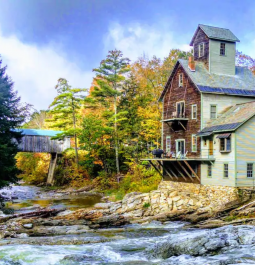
x,y
43,40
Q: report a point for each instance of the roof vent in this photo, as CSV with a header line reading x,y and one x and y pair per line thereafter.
x,y
192,64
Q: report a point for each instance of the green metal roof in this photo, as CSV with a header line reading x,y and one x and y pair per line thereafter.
x,y
216,33
35,132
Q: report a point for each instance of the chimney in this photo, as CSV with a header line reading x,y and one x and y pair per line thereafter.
x,y
192,64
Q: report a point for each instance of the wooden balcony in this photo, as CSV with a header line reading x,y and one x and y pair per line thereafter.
x,y
177,120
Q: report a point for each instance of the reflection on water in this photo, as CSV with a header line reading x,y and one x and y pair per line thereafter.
x,y
71,203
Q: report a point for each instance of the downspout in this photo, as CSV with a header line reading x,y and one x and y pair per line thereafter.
x,y
235,161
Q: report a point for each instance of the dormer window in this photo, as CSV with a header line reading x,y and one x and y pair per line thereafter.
x,y
201,49
222,48
180,80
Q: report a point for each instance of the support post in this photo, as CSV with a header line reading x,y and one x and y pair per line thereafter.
x,y
53,163
184,169
168,173
194,173
156,168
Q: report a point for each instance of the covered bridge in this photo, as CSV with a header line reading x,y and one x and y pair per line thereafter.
x,y
39,141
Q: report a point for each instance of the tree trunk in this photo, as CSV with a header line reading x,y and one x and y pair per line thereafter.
x,y
116,136
75,138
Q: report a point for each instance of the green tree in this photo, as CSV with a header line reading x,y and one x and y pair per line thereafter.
x,y
12,115
64,110
37,120
110,76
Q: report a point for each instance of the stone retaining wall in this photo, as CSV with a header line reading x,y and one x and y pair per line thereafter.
x,y
175,197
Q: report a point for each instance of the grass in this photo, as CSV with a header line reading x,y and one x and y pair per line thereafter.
x,y
146,205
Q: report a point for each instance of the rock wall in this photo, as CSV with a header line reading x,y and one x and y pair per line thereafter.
x,y
174,197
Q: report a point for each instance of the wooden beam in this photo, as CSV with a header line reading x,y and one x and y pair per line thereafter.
x,y
195,174
172,172
156,168
164,168
181,174
184,169
182,125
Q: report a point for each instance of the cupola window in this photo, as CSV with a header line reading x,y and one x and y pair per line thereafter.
x,y
222,48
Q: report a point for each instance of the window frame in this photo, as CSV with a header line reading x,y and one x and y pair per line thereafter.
x,y
209,170
224,171
201,44
183,108
192,145
168,137
225,144
181,80
224,49
252,169
176,145
216,111
192,111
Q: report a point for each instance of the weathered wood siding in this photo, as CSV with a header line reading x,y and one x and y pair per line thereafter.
x,y
245,153
43,144
201,38
222,64
217,167
190,95
221,101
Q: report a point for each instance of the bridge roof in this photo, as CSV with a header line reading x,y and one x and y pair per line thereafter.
x,y
35,132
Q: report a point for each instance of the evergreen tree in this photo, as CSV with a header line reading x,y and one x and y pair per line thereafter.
x,y
110,76
12,115
64,110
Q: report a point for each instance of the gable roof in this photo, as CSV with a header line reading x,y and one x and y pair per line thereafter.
x,y
241,84
216,33
231,119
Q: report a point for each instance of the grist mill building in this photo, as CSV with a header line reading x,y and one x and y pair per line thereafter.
x,y
208,123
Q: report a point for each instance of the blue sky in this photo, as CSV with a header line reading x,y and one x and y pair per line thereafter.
x,y
42,40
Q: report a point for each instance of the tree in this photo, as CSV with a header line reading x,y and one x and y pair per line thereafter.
x,y
109,78
64,110
245,60
37,120
12,115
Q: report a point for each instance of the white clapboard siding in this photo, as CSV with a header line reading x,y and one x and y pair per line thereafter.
x,y
221,101
217,167
219,64
245,152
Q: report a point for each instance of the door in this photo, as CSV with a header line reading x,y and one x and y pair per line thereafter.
x,y
180,146
210,147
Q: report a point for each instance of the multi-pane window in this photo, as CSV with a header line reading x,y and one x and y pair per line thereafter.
x,y
225,170
213,112
225,144
168,144
194,112
180,109
223,48
209,171
249,170
194,142
180,80
201,49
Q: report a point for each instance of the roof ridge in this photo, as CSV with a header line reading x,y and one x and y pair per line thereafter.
x,y
213,26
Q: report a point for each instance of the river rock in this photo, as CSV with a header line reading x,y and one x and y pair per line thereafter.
x,y
105,205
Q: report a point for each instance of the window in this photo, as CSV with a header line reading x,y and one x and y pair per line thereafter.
x,y
168,144
249,170
180,80
223,49
213,112
225,170
180,109
201,50
225,144
209,171
180,147
194,143
194,112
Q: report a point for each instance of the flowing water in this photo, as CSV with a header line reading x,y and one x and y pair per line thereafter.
x,y
153,243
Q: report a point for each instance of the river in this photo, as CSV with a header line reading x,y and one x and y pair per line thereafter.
x,y
151,243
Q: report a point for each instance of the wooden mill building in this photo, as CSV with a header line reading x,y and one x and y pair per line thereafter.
x,y
208,123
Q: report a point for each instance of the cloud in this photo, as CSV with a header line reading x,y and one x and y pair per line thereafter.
x,y
35,70
136,40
